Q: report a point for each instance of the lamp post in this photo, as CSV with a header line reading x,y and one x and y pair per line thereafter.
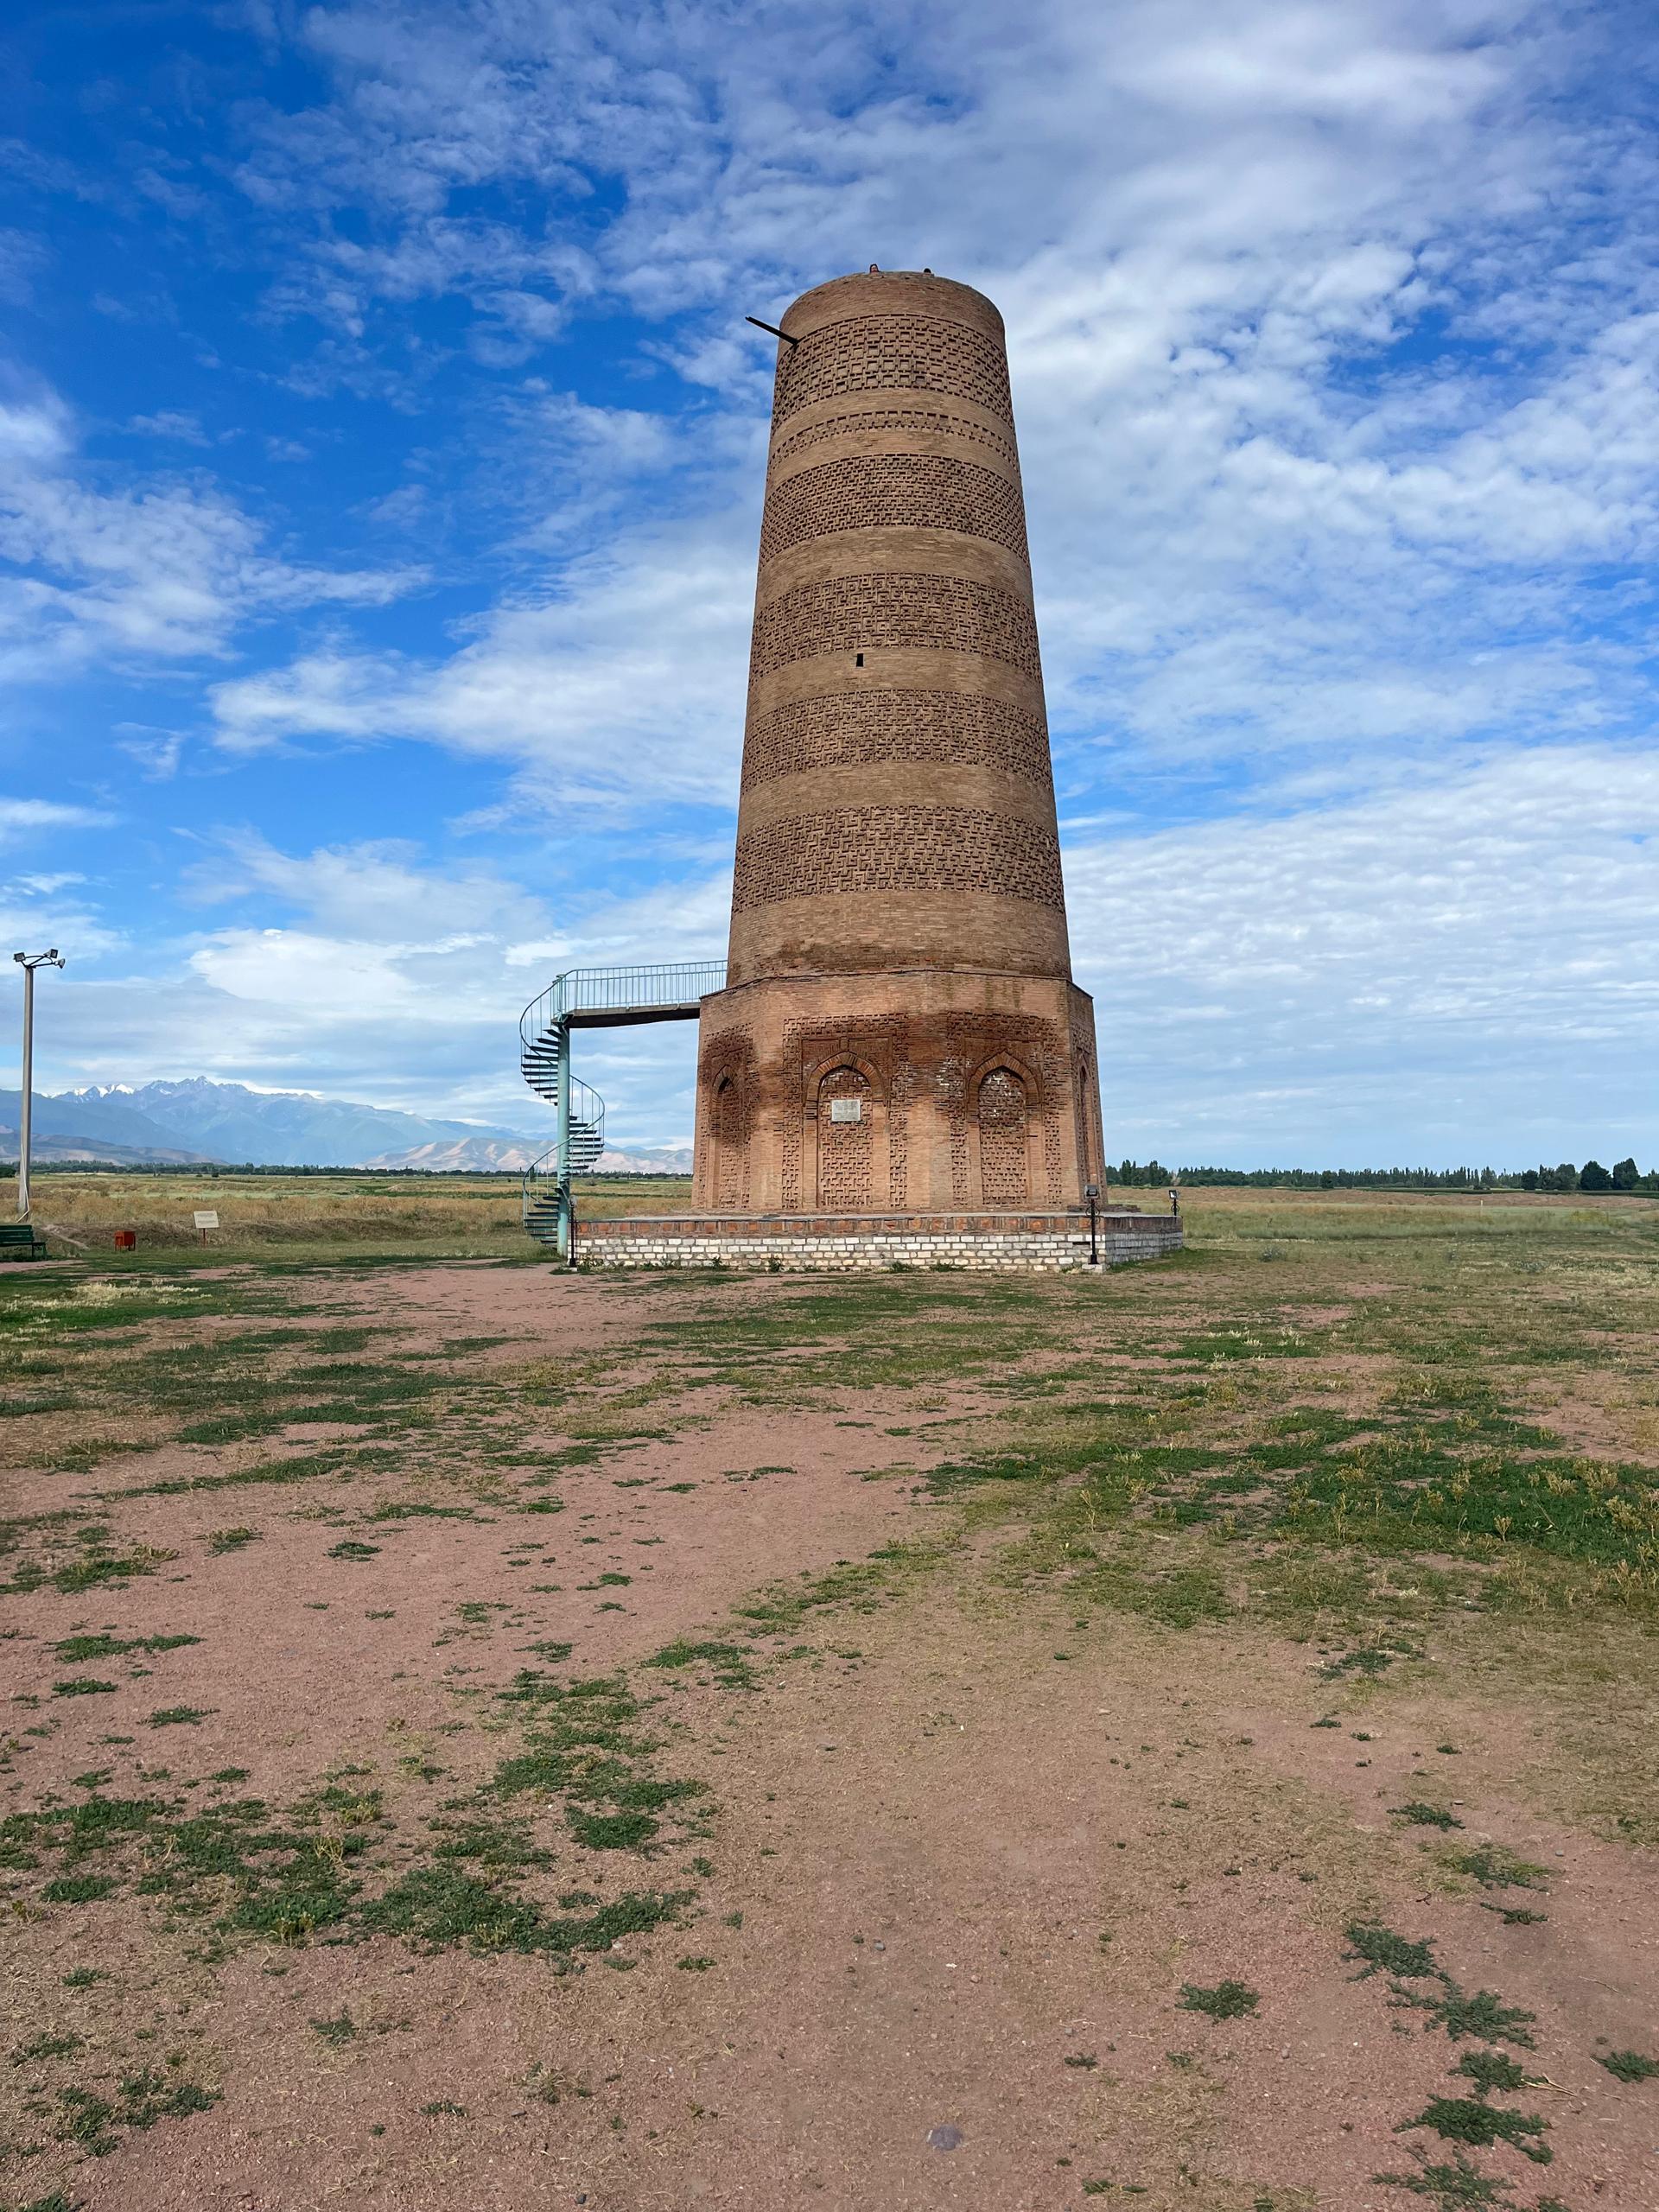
x,y
28,962
1092,1193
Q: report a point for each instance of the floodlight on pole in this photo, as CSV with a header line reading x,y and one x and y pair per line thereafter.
x,y
28,962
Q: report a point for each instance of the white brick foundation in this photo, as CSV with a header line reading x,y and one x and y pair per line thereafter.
x,y
840,1244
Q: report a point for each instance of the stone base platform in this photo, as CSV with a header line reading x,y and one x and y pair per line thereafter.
x,y
1023,1242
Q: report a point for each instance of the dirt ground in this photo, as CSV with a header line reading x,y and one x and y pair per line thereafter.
x,y
481,1736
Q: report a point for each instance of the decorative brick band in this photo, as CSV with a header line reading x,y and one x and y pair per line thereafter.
x,y
873,848
1040,1244
927,421
850,729
851,614
893,352
892,491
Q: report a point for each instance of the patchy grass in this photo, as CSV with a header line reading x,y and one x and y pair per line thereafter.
x,y
77,1650
1628,2065
1403,1462
1473,2122
1227,2001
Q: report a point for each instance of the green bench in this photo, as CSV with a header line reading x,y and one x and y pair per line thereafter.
x,y
19,1242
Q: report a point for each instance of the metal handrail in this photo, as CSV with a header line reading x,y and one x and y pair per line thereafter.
x,y
585,1104
666,990
619,990
580,1142
545,1168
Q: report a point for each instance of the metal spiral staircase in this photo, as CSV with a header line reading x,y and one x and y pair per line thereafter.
x,y
590,998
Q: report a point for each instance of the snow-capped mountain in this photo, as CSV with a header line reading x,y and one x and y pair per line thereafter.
x,y
169,1123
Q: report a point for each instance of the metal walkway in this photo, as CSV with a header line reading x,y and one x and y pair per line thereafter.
x,y
590,998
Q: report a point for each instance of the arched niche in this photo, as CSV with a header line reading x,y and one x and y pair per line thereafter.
x,y
729,1123
1004,1132
845,1145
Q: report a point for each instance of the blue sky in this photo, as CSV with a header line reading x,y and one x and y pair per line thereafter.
x,y
380,456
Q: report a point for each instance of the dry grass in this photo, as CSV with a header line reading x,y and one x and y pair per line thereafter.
x,y
361,1215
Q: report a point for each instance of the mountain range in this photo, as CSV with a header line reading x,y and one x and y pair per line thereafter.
x,y
169,1124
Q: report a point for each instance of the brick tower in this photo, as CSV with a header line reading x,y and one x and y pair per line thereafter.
x,y
900,1030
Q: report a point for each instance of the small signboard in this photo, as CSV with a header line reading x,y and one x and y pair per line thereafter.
x,y
846,1110
207,1220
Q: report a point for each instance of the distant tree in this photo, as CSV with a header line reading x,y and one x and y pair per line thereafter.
x,y
1566,1177
1626,1175
1529,1180
1593,1176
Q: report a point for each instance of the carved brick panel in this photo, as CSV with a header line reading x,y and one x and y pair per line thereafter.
x,y
893,352
855,728
883,849
853,614
920,491
928,421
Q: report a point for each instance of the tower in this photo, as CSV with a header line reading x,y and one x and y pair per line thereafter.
x,y
899,1030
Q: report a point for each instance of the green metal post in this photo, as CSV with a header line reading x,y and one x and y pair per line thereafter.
x,y
562,1108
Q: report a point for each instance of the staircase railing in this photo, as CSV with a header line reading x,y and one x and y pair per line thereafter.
x,y
548,1206
584,997
590,998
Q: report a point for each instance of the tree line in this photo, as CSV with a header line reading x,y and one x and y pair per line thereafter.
x,y
1623,1176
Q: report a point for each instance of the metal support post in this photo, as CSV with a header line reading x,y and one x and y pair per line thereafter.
x,y
28,962
25,1117
561,1106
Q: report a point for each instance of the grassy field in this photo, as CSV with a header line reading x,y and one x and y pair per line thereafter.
x,y
361,1215
485,1735
372,1216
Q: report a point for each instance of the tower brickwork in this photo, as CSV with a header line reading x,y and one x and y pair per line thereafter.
x,y
899,1028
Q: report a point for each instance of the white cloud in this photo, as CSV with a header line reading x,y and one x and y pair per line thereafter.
x,y
165,568
37,910
170,422
399,510
1256,531
31,434
1466,961
364,971
375,892
26,817
1459,965
627,687
157,752
383,978
1333,333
